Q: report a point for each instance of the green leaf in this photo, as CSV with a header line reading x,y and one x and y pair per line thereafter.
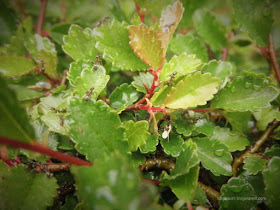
x,y
237,188
112,40
76,68
210,29
123,96
187,159
95,78
58,31
96,129
136,133
249,93
143,78
183,124
253,164
234,140
255,17
146,45
184,187
189,44
272,151
220,69
172,145
34,191
194,90
112,183
182,65
160,96
214,156
168,23
14,123
240,121
204,126
17,42
14,65
79,43
200,198
271,179
43,52
150,145
265,116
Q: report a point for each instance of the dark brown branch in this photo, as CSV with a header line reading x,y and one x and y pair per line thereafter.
x,y
255,148
273,58
37,147
39,27
50,167
212,194
159,163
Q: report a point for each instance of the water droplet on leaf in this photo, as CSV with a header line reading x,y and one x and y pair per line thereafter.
x,y
247,84
219,152
236,188
257,87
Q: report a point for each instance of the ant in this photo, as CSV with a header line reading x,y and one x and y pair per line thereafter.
x,y
88,94
171,78
105,19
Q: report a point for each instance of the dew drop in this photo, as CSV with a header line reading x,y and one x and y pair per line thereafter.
x,y
247,85
236,188
265,82
257,87
219,152
233,90
229,85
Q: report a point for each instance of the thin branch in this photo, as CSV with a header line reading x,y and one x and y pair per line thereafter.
x,y
210,192
37,147
21,9
273,58
141,15
255,148
225,50
50,167
39,27
159,163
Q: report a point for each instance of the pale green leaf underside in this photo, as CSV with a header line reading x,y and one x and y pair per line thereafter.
x,y
33,190
255,17
95,78
96,129
192,91
214,156
210,29
76,69
189,44
182,65
112,40
253,164
250,93
79,43
234,140
14,65
143,78
136,133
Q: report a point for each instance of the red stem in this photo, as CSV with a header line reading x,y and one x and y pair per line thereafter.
x,y
153,182
273,59
41,17
37,147
205,110
141,15
21,9
189,206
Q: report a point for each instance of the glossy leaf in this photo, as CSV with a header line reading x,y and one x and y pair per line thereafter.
x,y
96,129
76,68
172,145
255,18
79,43
189,44
182,65
112,40
210,29
143,78
214,156
116,184
265,116
95,78
192,91
136,133
221,69
146,45
204,126
234,140
14,65
237,187
34,191
14,123
271,180
150,145
272,151
123,96
169,21
240,121
160,96
254,164
43,52
250,93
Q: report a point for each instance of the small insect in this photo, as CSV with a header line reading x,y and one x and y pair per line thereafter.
x,y
97,62
61,122
166,131
171,77
105,19
88,94
56,110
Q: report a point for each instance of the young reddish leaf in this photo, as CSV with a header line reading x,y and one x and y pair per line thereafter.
x,y
169,21
146,45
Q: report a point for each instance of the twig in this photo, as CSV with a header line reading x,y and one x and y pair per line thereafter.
x,y
21,9
210,53
255,148
39,27
64,77
50,167
273,58
225,50
37,147
159,163
210,192
54,82
141,15
204,110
